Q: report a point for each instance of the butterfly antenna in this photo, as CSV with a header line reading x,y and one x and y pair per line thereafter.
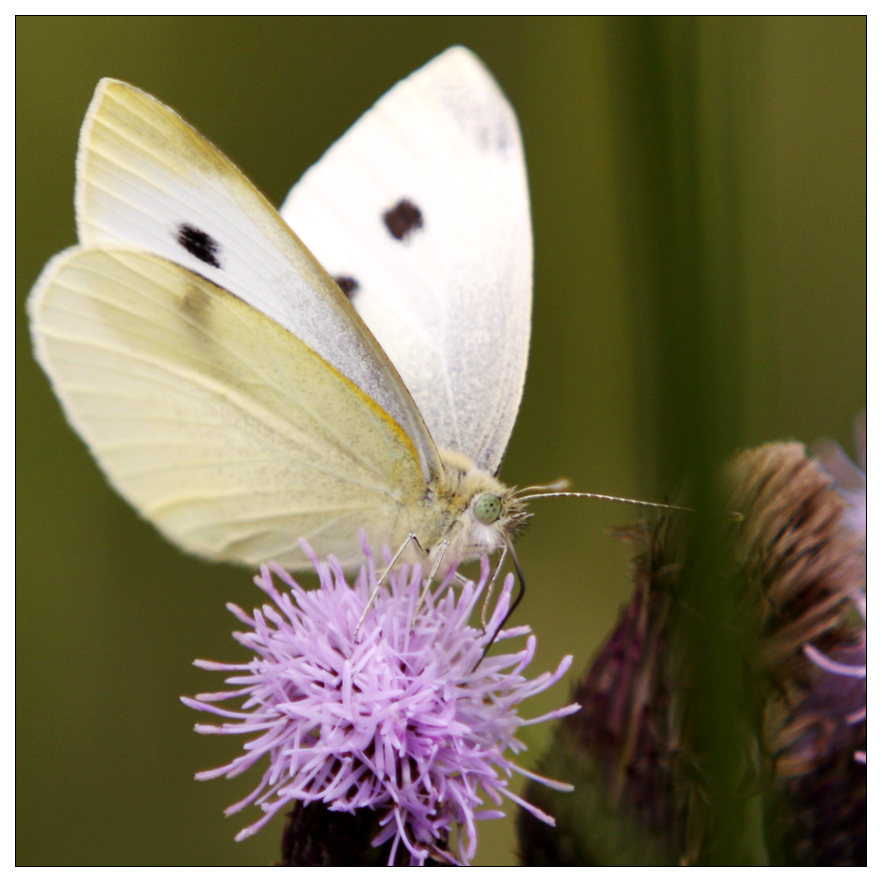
x,y
521,589
560,484
732,515
603,496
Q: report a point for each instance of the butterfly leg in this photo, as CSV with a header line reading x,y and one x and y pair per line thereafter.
x,y
411,538
490,587
442,549
522,588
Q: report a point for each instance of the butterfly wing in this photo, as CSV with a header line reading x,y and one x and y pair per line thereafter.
x,y
421,212
148,181
226,431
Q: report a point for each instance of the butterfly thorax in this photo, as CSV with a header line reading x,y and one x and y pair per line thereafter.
x,y
469,509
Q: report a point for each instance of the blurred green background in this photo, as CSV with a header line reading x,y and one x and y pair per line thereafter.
x,y
712,168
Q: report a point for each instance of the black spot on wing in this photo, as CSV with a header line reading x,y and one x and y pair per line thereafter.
x,y
347,285
202,246
403,219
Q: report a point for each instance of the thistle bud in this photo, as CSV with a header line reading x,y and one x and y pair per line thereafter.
x,y
644,772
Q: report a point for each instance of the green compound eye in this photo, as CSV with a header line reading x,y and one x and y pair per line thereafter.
x,y
488,508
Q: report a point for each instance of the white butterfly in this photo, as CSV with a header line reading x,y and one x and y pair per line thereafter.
x,y
240,392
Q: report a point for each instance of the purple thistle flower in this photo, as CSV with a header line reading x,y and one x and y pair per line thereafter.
x,y
408,720
851,663
851,482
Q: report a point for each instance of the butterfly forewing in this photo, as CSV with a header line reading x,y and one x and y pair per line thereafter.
x,y
148,181
421,213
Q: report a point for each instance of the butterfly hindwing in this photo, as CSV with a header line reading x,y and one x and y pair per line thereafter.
x,y
223,429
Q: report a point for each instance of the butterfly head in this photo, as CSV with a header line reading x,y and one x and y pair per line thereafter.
x,y
493,519
501,514
483,515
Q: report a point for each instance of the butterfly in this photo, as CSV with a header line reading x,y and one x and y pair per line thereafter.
x,y
246,377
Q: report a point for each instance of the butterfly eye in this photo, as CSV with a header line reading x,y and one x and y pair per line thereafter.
x,y
488,508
